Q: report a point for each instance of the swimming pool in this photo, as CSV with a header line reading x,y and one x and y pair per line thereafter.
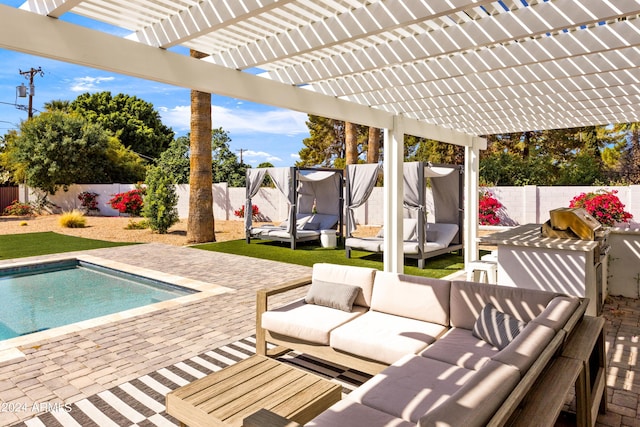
x,y
42,296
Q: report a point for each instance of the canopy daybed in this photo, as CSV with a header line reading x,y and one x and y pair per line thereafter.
x,y
422,239
315,201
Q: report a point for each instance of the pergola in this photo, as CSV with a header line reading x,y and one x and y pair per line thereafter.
x,y
448,70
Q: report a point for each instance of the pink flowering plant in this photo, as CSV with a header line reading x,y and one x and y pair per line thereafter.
x,y
603,205
129,202
255,211
488,208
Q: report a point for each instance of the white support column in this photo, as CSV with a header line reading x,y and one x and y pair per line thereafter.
x,y
471,178
393,196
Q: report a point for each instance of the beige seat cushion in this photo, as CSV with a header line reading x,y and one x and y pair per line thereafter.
x,y
475,402
384,337
459,347
308,322
353,414
369,244
411,387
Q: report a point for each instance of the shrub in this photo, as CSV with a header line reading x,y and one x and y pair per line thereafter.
x,y
603,205
89,201
255,211
160,201
488,208
73,219
19,209
129,202
137,225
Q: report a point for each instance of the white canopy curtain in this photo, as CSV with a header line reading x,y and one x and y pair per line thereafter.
x,y
361,179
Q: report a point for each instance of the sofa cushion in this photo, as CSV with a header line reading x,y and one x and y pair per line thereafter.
x,y
557,312
325,221
496,327
469,298
308,322
419,298
475,402
357,414
369,244
526,347
409,229
412,386
349,275
311,226
384,337
444,233
459,347
333,295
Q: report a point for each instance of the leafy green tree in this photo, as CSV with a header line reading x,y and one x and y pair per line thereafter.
x,y
55,149
174,161
133,121
225,164
160,201
429,150
326,145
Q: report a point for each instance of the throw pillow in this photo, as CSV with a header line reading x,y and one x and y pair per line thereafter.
x,y
333,295
497,328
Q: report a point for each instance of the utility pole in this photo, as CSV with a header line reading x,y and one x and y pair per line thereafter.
x,y
241,150
22,90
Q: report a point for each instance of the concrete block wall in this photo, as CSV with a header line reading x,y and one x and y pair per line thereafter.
x,y
521,205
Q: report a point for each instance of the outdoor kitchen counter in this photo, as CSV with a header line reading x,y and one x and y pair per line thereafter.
x,y
528,260
529,235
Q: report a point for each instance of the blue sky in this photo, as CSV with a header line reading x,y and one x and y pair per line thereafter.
x,y
265,134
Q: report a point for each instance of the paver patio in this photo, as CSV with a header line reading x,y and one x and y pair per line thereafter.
x,y
75,367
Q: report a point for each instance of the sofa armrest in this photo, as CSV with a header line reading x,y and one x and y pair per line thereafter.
x,y
262,305
266,418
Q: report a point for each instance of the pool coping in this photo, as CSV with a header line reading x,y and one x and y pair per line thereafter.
x,y
10,348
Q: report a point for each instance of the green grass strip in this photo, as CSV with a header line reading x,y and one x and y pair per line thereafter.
x,y
310,253
33,244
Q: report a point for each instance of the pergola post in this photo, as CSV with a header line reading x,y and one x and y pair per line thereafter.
x,y
471,196
393,196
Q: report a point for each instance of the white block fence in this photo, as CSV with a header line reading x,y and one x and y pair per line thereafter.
x,y
521,205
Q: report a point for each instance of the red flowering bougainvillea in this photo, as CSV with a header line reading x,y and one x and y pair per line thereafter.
x,y
89,201
603,205
488,207
255,211
129,202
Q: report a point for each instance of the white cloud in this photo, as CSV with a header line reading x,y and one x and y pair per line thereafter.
x,y
241,122
89,84
295,156
260,157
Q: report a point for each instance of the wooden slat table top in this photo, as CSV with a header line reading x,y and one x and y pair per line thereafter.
x,y
226,397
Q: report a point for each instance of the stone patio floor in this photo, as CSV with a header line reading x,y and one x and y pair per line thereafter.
x,y
76,365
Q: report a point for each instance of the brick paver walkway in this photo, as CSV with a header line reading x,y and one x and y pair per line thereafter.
x,y
76,366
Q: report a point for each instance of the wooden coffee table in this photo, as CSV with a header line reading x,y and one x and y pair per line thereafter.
x,y
226,397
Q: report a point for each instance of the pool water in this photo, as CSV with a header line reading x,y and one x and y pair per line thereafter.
x,y
44,296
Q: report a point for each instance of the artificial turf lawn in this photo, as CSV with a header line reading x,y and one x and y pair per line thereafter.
x,y
310,253
32,244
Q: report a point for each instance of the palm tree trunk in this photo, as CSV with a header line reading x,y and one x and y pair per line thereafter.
x,y
351,143
200,225
373,150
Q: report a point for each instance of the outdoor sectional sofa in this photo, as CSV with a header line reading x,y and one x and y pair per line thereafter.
x,y
436,348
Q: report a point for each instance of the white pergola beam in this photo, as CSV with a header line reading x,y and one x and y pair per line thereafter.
x,y
52,8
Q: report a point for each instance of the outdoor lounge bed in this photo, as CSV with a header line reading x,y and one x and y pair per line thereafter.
x,y
315,203
443,353
422,239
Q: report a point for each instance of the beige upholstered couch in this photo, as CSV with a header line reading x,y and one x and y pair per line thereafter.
x,y
416,335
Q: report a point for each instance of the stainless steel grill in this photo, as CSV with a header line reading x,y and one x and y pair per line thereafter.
x,y
577,223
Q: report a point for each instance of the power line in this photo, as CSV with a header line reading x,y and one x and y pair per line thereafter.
x,y
241,150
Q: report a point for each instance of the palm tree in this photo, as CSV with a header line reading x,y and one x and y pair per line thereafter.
x,y
351,143
200,224
631,157
373,146
57,105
